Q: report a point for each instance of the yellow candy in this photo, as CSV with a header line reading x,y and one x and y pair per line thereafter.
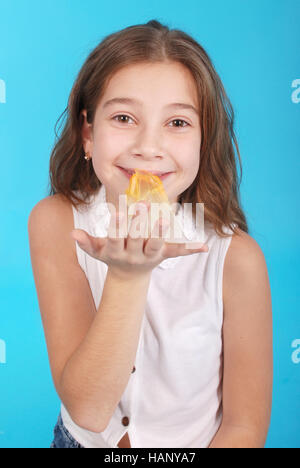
x,y
148,187
145,186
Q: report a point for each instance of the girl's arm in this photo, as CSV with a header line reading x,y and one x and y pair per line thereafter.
x,y
91,352
247,341
97,374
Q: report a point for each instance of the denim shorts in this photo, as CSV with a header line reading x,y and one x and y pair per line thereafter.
x,y
62,437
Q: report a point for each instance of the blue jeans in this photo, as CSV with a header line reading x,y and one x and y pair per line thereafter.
x,y
62,437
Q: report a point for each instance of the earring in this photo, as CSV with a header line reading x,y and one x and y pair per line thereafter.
x,y
87,157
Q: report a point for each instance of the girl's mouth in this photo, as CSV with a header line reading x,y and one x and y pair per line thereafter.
x,y
128,175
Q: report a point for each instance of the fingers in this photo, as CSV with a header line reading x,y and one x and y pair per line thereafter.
x,y
155,244
138,231
138,234
91,245
115,244
176,250
196,246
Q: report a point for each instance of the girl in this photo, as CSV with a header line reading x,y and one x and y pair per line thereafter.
x,y
151,344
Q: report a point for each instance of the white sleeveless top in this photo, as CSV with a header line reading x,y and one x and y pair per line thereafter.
x,y
174,397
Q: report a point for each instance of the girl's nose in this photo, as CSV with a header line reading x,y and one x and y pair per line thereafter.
x,y
148,144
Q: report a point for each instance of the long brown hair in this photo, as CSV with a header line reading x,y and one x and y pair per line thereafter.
x,y
216,184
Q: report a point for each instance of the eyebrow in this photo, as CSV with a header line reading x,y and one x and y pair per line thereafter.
x,y
123,100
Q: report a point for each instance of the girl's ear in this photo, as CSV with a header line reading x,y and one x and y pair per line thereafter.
x,y
86,132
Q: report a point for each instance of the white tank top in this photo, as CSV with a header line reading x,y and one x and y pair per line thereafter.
x,y
174,397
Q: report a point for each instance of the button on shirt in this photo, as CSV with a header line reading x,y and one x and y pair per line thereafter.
x,y
174,396
125,421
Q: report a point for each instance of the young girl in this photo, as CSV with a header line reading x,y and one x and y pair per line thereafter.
x,y
151,344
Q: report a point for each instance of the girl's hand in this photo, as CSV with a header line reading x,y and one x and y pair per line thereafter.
x,y
133,255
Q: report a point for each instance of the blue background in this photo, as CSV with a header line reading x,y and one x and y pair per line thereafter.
x,y
254,46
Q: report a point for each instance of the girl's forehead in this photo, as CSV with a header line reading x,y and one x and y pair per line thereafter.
x,y
168,82
158,71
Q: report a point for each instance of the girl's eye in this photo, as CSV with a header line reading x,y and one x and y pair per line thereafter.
x,y
120,115
175,120
180,120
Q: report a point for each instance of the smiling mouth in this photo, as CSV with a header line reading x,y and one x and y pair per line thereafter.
x,y
130,172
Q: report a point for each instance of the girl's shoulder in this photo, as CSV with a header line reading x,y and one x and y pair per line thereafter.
x,y
52,214
50,204
244,260
243,247
54,209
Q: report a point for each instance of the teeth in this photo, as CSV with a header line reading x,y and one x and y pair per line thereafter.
x,y
132,172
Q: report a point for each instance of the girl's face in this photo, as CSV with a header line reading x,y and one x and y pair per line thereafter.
x,y
147,130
